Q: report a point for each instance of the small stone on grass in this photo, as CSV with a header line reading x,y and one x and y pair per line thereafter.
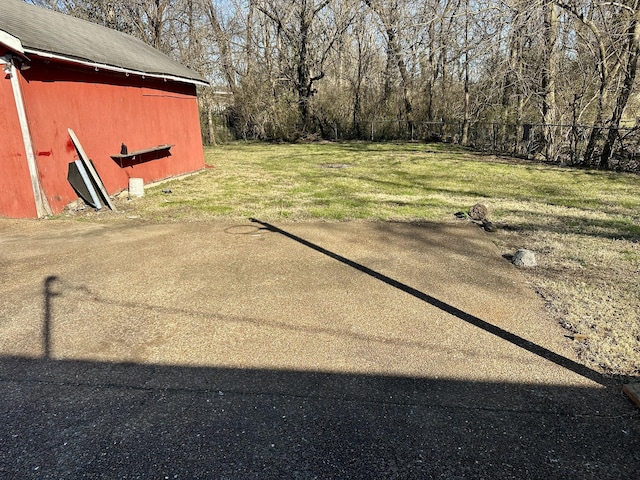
x,y
524,258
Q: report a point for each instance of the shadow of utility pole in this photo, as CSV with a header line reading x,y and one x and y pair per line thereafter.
x,y
49,293
521,342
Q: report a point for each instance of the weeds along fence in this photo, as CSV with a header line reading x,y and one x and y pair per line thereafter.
x,y
576,145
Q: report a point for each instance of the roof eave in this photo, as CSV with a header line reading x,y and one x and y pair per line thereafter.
x,y
112,68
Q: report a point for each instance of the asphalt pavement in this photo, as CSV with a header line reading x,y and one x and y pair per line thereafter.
x,y
233,350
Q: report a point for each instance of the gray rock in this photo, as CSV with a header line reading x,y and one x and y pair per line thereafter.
x,y
524,258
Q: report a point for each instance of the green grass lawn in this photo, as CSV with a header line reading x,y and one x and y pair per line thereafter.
x,y
398,182
583,224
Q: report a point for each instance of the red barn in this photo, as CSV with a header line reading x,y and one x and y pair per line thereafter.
x,y
60,73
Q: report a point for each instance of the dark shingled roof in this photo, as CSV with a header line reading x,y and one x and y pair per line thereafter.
x,y
46,32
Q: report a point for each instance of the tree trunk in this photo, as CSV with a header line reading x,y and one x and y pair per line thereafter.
x,y
211,125
465,100
548,79
249,50
357,85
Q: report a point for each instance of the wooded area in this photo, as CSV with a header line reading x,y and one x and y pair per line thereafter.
x,y
549,78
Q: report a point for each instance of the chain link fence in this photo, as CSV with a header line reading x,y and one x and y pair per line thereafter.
x,y
577,145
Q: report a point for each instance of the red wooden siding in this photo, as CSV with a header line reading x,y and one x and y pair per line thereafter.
x,y
106,109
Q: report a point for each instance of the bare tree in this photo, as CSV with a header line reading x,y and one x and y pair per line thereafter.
x,y
223,41
302,30
388,13
630,61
